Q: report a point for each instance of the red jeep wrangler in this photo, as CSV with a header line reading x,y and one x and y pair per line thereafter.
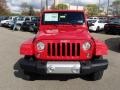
x,y
64,46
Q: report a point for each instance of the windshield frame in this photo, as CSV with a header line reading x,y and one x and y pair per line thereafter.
x,y
61,23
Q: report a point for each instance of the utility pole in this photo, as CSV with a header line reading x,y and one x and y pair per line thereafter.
x,y
108,7
46,4
41,4
99,8
54,3
77,4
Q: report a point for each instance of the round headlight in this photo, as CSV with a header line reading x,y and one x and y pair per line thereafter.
x,y
40,46
86,46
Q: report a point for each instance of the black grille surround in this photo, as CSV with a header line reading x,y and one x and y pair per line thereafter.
x,y
63,49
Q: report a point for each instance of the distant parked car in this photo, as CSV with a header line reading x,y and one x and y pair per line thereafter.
x,y
97,25
11,22
21,20
113,26
7,22
3,20
32,25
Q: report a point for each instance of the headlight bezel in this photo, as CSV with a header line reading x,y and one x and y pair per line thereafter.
x,y
86,46
40,46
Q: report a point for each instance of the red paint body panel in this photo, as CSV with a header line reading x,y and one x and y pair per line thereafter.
x,y
42,55
58,34
27,47
101,48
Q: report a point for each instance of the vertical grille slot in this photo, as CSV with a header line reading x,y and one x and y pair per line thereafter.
x,y
63,49
78,49
58,49
53,49
68,49
49,49
73,49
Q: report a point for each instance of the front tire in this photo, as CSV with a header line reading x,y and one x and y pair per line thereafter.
x,y
97,29
18,27
107,32
96,75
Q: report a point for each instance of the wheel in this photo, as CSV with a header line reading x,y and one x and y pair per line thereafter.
x,y
117,32
106,32
96,75
97,29
30,76
31,29
18,27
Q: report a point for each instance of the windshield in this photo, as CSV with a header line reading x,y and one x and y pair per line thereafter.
x,y
115,21
63,18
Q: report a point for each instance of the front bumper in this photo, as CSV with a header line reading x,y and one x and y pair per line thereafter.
x,y
60,67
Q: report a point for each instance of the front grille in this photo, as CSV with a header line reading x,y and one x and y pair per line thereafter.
x,y
63,49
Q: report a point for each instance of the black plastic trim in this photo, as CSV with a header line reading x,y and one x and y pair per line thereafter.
x,y
86,67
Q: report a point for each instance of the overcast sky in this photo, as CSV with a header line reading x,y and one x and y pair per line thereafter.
x,y
14,5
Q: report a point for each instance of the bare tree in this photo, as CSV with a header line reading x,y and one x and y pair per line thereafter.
x,y
24,8
27,9
4,8
31,11
3,3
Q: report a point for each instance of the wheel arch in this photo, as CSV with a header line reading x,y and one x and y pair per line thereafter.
x,y
100,48
27,47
